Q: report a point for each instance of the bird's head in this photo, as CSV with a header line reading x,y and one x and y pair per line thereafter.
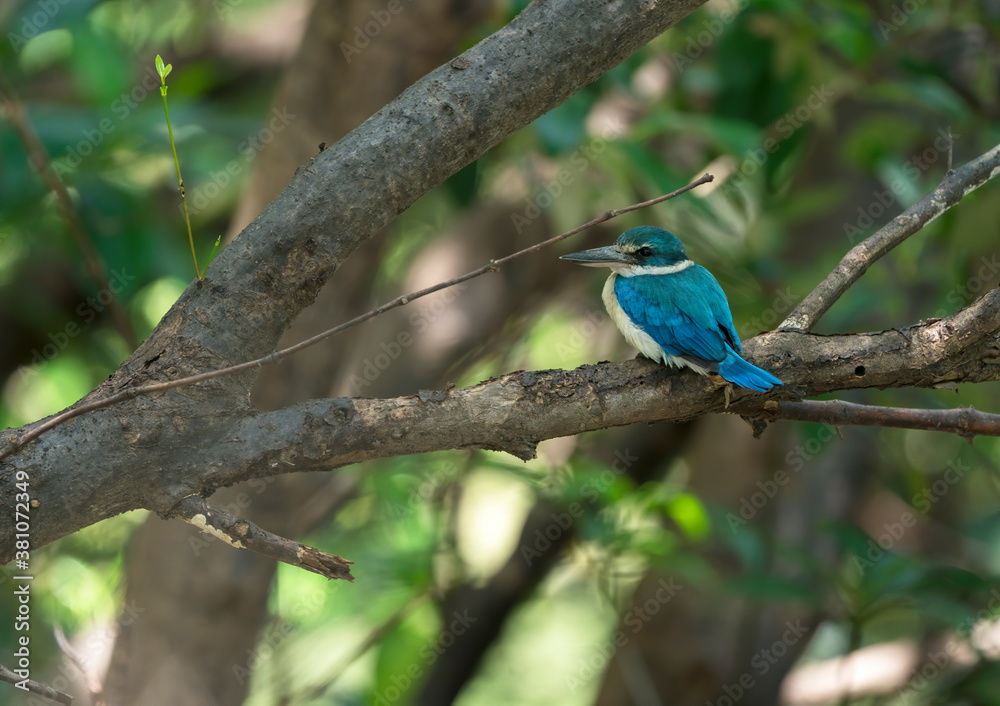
x,y
638,251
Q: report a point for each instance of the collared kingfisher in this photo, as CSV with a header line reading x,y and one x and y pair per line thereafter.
x,y
671,309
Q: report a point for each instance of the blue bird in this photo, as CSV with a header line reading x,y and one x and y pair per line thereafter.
x,y
671,309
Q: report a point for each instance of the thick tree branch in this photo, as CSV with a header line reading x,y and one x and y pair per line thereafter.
x,y
955,185
148,452
967,422
156,450
351,190
242,534
511,413
514,412
279,355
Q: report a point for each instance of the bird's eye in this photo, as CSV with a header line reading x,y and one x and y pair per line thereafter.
x,y
645,251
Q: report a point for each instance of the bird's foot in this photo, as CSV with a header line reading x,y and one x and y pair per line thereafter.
x,y
992,356
727,387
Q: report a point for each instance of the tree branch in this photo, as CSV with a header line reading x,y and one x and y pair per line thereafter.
x,y
352,189
511,413
242,534
279,355
150,451
967,422
92,681
36,687
955,185
154,450
514,412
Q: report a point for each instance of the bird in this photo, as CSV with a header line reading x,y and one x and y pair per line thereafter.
x,y
671,309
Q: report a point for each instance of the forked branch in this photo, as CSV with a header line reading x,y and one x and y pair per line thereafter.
x,y
953,188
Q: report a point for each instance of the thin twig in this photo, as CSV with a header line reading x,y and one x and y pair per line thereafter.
x,y
372,639
163,71
35,687
91,679
274,357
951,150
242,534
967,422
42,164
955,185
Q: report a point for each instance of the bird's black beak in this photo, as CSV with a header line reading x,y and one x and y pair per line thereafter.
x,y
608,256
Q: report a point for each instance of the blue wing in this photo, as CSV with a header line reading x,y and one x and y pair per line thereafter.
x,y
686,313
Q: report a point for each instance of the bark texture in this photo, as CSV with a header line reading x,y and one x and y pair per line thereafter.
x,y
151,451
180,574
511,413
514,412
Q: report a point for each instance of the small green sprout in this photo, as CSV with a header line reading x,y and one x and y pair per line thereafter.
x,y
164,71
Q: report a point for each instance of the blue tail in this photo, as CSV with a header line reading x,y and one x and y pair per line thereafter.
x,y
739,372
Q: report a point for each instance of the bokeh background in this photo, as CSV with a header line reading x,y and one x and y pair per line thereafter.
x,y
680,564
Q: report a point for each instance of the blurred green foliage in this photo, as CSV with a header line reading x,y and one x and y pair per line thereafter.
x,y
821,121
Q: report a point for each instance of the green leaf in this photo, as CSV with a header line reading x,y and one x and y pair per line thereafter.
x,y
690,515
211,256
162,70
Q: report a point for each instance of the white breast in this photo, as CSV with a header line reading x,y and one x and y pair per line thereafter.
x,y
636,337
